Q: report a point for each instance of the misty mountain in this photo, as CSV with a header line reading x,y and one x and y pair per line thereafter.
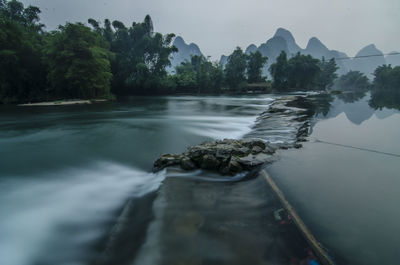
x,y
369,64
283,40
393,59
223,60
185,52
317,49
290,41
251,49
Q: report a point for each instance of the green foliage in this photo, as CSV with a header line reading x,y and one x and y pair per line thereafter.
x,y
386,88
235,69
79,65
22,73
279,72
387,77
327,74
199,75
298,73
352,81
302,72
141,56
255,64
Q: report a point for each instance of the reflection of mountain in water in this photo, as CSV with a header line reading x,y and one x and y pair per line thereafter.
x,y
384,113
356,111
358,106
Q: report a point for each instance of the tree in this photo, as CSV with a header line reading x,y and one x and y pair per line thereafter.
x,y
278,72
22,73
235,69
302,72
327,74
141,56
298,73
79,65
199,75
352,81
254,67
387,77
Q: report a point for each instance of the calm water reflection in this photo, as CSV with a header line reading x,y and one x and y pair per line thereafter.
x,y
349,197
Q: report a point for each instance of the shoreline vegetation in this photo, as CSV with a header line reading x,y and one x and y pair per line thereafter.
x,y
65,102
111,60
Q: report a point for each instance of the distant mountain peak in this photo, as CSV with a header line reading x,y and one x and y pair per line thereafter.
x,y
185,52
288,37
179,40
315,43
284,33
251,49
369,50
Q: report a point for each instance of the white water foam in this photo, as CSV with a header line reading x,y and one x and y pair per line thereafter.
x,y
52,218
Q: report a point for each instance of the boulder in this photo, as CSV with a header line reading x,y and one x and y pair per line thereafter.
x,y
187,164
227,156
209,162
254,160
166,160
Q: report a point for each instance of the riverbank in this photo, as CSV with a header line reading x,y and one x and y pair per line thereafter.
x,y
65,102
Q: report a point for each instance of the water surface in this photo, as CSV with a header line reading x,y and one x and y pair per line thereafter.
x,y
65,171
345,182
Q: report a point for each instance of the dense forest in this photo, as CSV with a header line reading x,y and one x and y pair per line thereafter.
x,y
103,60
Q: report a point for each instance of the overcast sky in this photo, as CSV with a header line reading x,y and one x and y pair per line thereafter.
x,y
218,26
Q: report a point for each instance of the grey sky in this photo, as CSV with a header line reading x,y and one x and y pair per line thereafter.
x,y
218,26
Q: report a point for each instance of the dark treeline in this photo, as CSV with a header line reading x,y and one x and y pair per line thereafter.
x,y
103,60
302,72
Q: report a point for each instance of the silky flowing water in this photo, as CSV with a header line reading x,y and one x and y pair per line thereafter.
x,y
72,179
65,172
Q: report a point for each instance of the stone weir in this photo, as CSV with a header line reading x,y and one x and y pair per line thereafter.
x,y
199,217
230,156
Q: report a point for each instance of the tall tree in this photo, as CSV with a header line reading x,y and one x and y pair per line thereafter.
x,y
235,69
278,72
79,65
254,67
141,56
327,74
22,73
387,77
199,75
302,72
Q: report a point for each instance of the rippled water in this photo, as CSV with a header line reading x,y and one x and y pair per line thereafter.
x,y
66,171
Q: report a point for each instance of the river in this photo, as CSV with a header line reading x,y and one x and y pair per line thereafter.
x,y
67,171
345,182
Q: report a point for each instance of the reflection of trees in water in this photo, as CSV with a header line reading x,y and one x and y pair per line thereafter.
x,y
351,97
321,104
315,104
385,99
